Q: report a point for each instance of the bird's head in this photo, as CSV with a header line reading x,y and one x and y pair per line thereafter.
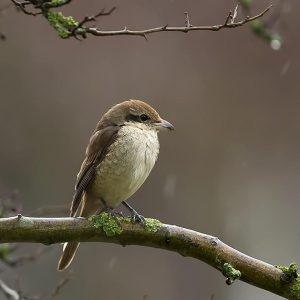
x,y
136,113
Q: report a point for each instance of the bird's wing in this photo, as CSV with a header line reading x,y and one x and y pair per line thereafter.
x,y
95,152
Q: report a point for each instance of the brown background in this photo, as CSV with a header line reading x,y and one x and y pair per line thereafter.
x,y
231,168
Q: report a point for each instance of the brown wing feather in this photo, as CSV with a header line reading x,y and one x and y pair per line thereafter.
x,y
95,152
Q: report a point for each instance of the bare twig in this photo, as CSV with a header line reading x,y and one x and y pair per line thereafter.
x,y
9,204
9,292
58,288
226,24
87,19
20,260
235,13
22,5
232,263
17,295
187,20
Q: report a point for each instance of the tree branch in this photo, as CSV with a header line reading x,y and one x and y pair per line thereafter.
x,y
232,263
68,27
229,23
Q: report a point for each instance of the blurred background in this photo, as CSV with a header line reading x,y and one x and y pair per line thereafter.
x,y
230,169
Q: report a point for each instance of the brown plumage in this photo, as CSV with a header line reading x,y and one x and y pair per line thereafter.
x,y
119,157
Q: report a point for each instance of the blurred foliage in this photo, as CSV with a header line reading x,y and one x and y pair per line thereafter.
x,y
261,28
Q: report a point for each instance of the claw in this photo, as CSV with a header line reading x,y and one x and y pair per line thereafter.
x,y
137,218
113,214
120,214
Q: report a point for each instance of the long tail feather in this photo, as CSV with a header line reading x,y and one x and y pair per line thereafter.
x,y
67,256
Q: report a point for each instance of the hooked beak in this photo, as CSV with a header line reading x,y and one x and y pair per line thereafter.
x,y
164,124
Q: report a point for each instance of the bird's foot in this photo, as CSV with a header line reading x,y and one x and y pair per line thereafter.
x,y
114,215
137,218
120,214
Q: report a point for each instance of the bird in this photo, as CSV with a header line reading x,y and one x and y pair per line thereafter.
x,y
119,157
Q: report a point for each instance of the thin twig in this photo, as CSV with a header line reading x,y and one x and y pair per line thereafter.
x,y
26,257
95,31
22,5
235,13
18,295
92,18
60,285
187,20
9,292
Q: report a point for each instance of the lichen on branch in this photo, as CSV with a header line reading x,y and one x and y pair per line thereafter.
x,y
61,23
107,223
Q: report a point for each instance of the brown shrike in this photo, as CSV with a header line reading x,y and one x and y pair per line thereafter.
x,y
119,157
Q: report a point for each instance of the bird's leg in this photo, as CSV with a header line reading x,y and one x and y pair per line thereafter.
x,y
109,211
135,216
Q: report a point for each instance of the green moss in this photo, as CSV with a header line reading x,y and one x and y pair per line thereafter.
x,y
57,2
290,273
230,273
291,268
295,288
107,223
290,276
62,24
152,225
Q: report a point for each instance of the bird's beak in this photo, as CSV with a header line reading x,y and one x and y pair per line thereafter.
x,y
164,124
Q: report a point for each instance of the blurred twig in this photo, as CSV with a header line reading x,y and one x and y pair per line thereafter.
x,y
60,285
264,29
8,206
9,292
22,259
17,295
232,263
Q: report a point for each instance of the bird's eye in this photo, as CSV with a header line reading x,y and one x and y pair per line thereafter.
x,y
144,117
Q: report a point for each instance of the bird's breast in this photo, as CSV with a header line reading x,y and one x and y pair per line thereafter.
x,y
128,162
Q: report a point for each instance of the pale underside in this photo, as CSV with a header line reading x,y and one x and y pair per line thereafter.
x,y
126,166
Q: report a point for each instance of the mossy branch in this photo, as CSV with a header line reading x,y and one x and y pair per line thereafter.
x,y
230,262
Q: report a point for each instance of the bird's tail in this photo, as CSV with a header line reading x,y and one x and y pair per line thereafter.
x,y
88,208
69,252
